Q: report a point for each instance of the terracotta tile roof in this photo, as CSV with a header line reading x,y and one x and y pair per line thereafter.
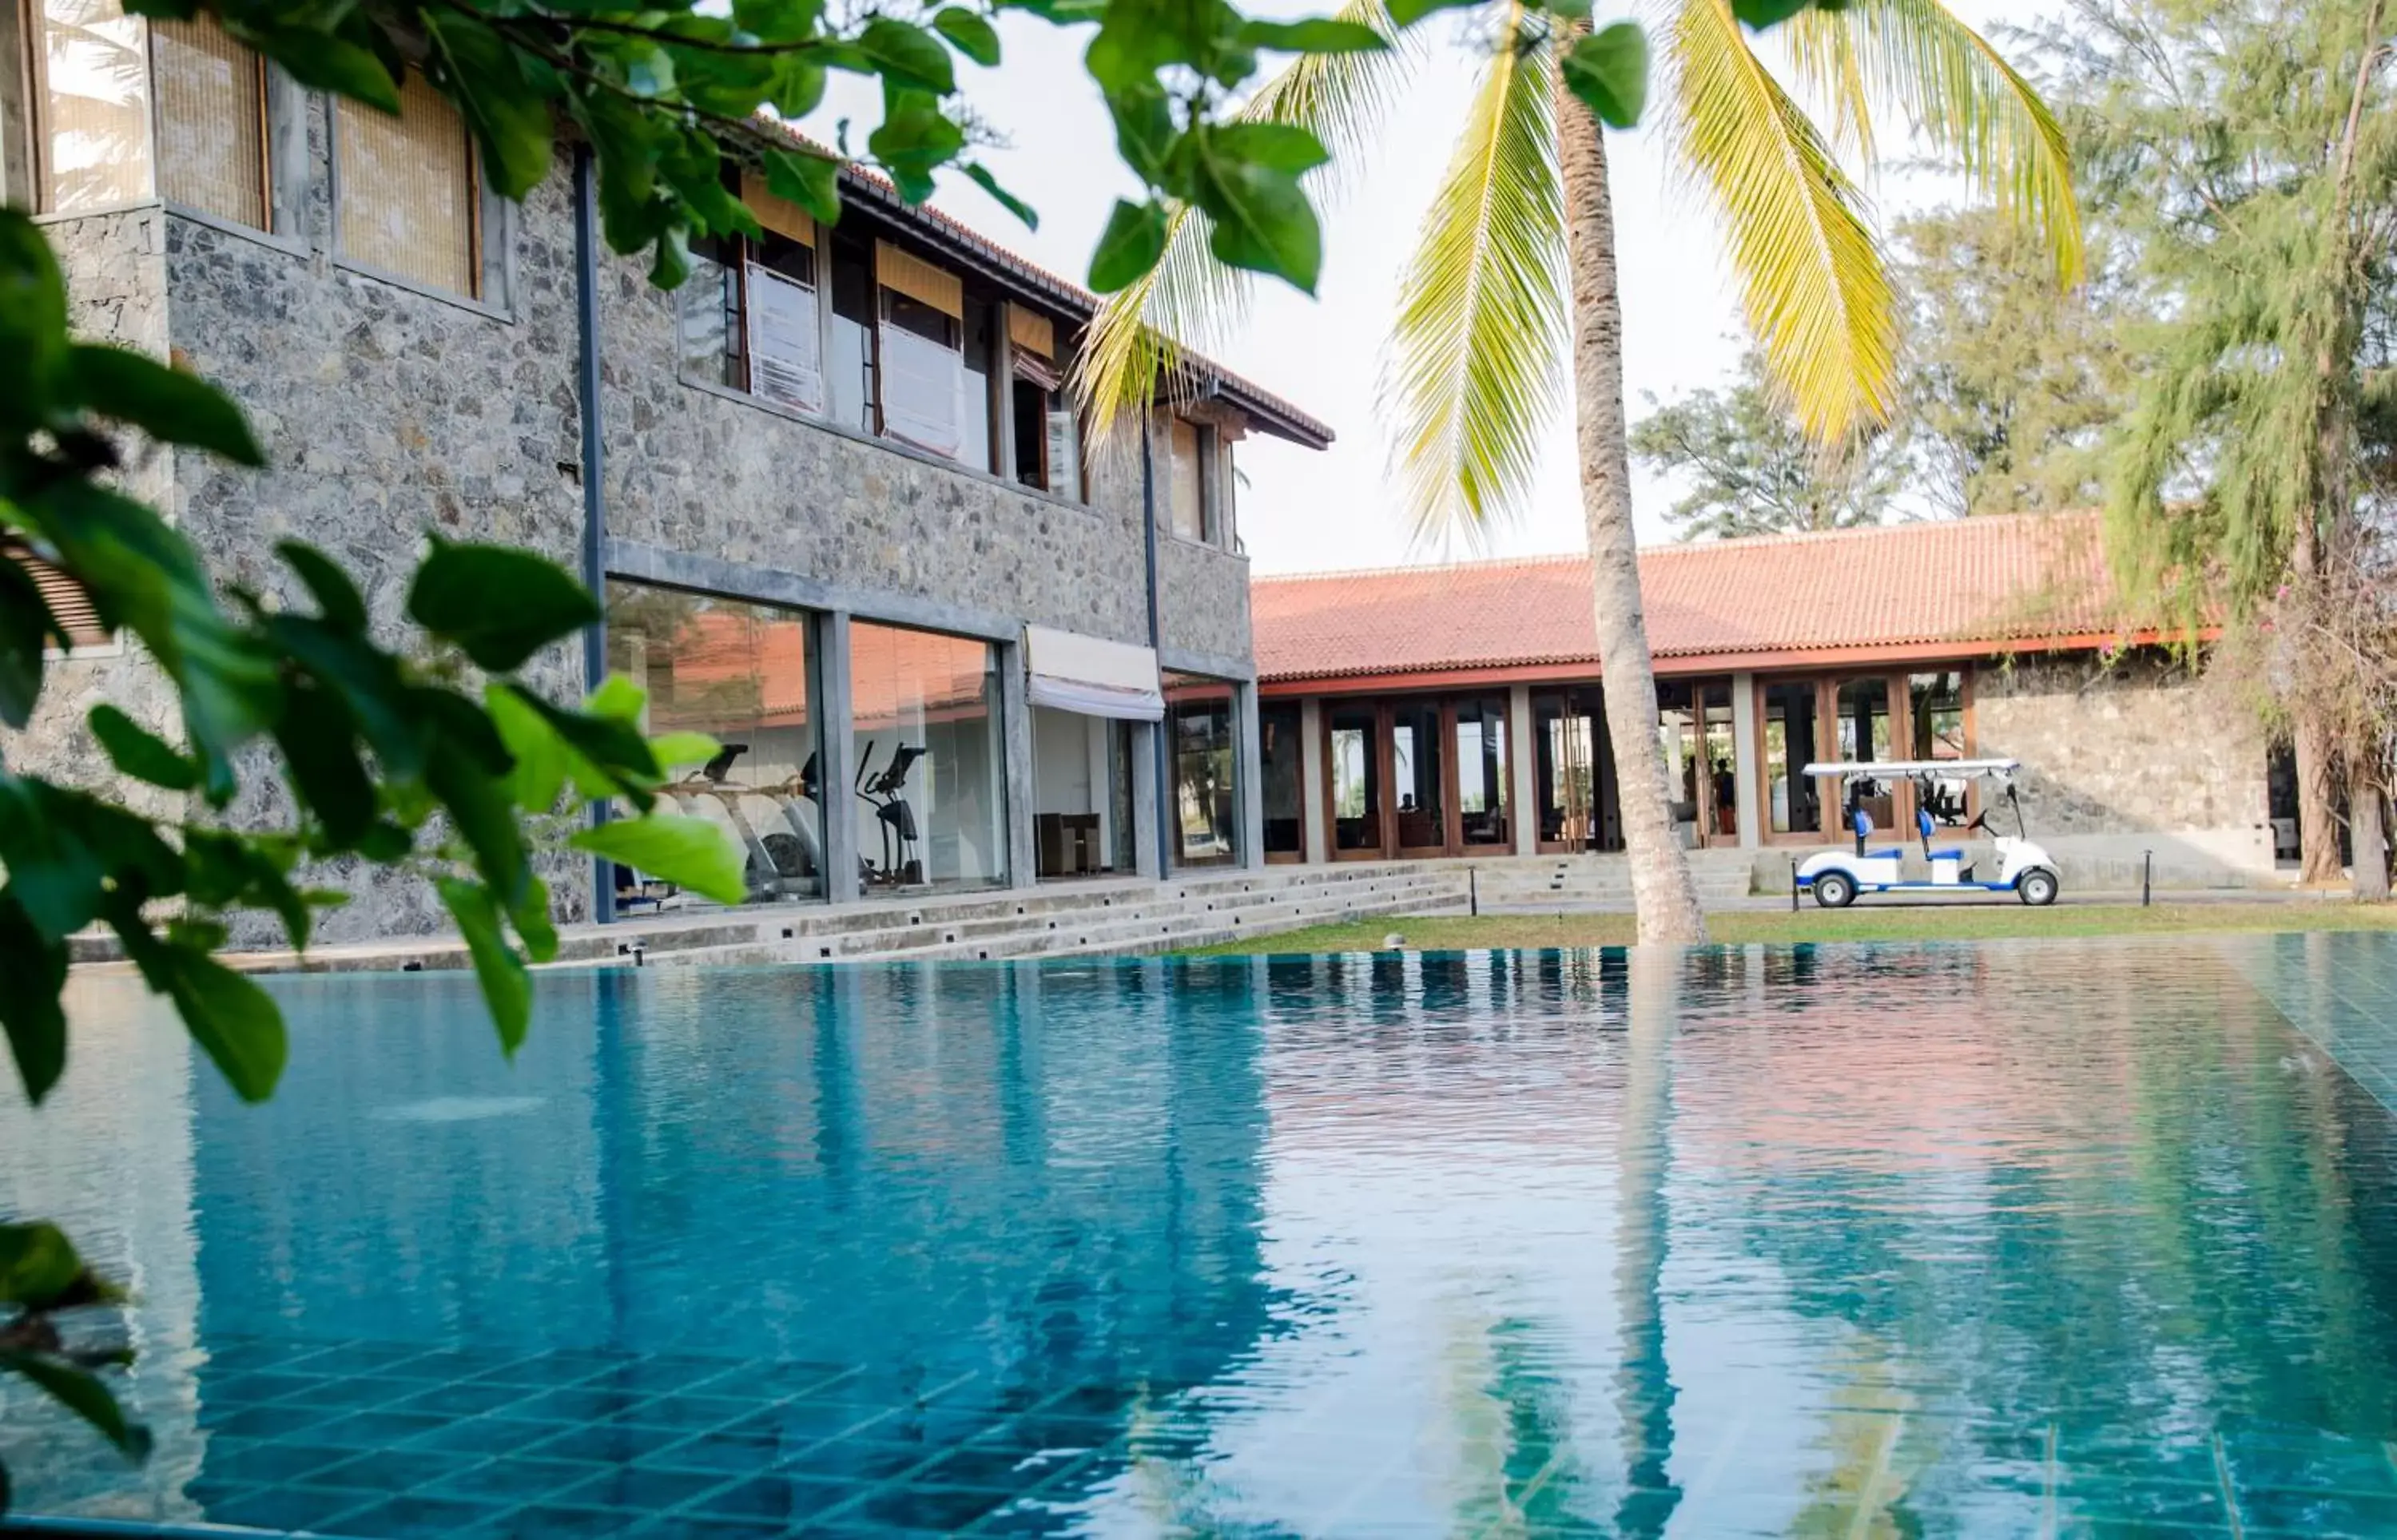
x,y
1983,581
1273,412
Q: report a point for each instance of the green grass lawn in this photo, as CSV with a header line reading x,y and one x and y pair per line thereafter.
x,y
1866,921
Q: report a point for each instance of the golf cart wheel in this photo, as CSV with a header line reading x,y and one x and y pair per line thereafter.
x,y
1835,890
2037,887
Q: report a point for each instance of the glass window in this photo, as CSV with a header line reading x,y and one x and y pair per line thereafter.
x,y
739,673
211,121
1279,764
1227,480
1206,792
1792,802
1865,739
1566,770
779,333
1722,781
930,808
1353,734
1482,793
1415,775
848,364
1678,733
1935,705
1186,479
977,440
92,86
407,192
1081,807
709,328
923,375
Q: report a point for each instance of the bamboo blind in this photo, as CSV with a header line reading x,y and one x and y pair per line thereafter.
x,y
919,280
1032,332
408,191
777,214
93,107
211,95
70,606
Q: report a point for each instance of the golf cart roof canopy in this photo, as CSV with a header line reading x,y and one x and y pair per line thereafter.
x,y
1883,768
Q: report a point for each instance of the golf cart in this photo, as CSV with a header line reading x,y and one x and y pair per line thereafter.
x,y
1837,876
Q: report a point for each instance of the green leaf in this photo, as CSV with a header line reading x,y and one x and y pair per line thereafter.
x,y
1761,14
500,606
915,137
232,1019
319,751
1609,71
510,118
322,61
140,753
1129,247
80,1392
983,178
338,604
618,699
540,756
59,881
1274,146
1406,13
533,922
969,33
1319,35
811,181
796,87
692,852
1260,219
32,323
167,403
1144,131
226,870
507,986
26,629
907,55
675,750
39,1268
32,975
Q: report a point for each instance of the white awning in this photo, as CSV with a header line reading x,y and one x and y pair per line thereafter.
x,y
1082,673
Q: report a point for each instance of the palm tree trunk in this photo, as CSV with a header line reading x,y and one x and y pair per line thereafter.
x,y
2367,832
1662,890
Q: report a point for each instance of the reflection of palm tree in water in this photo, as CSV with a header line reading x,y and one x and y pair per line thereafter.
x,y
1642,1379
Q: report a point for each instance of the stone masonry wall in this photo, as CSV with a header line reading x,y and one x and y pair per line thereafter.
x,y
114,266
2132,748
1206,597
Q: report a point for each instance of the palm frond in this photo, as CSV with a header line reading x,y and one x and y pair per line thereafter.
x,y
1815,290
1190,301
1965,100
1825,59
1474,376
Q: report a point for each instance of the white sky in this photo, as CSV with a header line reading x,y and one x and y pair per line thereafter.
x,y
1301,511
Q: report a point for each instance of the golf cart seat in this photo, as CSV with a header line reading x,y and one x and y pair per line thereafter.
x,y
1923,822
1861,822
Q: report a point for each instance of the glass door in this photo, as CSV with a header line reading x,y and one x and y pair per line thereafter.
x,y
1352,734
1418,767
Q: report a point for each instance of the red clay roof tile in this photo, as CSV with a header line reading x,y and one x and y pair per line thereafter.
x,y
1983,581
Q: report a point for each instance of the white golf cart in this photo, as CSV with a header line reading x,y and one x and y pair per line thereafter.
x,y
1837,876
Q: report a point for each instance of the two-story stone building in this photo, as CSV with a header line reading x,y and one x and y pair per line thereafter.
x,y
845,517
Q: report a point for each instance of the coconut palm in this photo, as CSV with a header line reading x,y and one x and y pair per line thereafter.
x,y
1516,258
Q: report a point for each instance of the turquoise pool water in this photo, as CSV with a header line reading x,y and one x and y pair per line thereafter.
x,y
1999,1238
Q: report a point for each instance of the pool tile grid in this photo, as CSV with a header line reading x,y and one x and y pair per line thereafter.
x,y
370,1440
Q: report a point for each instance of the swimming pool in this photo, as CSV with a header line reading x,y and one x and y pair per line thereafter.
x,y
2002,1239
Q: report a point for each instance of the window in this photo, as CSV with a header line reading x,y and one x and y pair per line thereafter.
x,y
739,673
1482,793
849,381
1935,709
931,788
978,434
1573,771
1081,794
779,336
1416,775
1185,478
92,84
1206,792
213,145
1048,436
1353,737
1792,802
409,199
69,605
922,342
1865,736
1280,766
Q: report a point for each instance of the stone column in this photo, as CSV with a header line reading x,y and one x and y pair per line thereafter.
x,y
1522,772
1015,728
1313,814
828,693
1248,775
1146,744
1747,760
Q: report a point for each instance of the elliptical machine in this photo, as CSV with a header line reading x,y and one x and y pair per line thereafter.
x,y
886,795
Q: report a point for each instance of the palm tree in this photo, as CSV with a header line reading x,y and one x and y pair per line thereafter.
x,y
1517,255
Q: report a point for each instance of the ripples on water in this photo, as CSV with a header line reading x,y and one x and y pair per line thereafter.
x,y
1997,1239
